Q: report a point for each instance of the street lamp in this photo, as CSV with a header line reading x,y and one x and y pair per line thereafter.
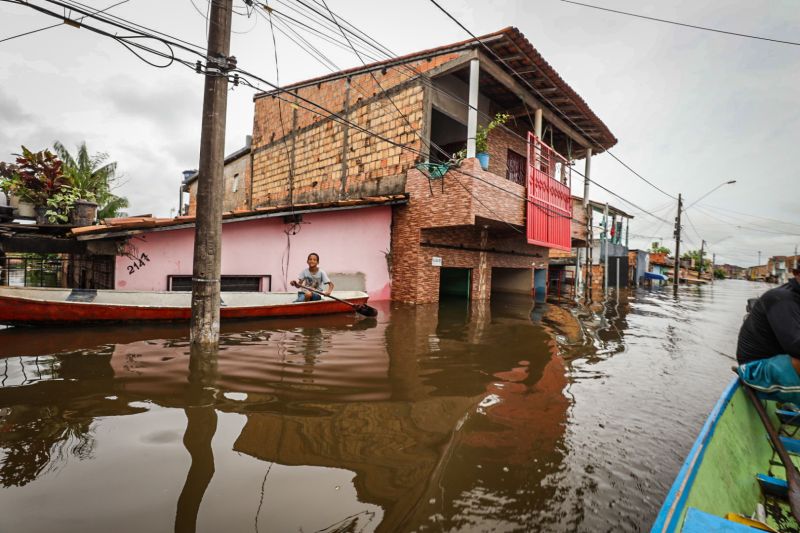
x,y
731,182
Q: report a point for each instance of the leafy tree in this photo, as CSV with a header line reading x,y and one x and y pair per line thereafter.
x,y
94,174
719,273
694,255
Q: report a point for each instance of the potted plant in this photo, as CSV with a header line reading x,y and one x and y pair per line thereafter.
x,y
482,138
11,185
35,178
71,205
482,141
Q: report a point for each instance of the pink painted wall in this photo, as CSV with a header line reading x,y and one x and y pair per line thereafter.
x,y
348,242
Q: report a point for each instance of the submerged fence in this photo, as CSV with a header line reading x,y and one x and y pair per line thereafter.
x,y
33,270
57,270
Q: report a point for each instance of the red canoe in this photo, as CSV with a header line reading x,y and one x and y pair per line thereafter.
x,y
44,306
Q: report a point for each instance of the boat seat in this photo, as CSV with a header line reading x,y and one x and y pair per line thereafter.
x,y
699,522
773,486
790,418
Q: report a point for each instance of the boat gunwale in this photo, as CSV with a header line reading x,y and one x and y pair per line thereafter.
x,y
351,299
667,519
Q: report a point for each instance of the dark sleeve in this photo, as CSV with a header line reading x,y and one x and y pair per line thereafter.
x,y
784,318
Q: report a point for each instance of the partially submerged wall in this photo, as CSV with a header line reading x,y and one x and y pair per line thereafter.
x,y
352,246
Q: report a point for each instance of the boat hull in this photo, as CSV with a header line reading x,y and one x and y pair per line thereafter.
x,y
724,474
29,311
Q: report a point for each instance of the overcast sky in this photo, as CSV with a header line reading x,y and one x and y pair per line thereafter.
x,y
691,108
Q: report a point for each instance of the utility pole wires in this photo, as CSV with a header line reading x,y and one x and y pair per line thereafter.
x,y
204,333
678,245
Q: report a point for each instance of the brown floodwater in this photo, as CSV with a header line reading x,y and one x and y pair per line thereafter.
x,y
506,416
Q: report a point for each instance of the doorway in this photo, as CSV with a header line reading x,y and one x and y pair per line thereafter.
x,y
455,283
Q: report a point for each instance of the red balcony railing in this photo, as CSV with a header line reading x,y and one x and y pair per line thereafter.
x,y
549,198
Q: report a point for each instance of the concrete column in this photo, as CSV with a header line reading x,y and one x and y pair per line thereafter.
x,y
627,231
537,123
482,285
472,112
587,172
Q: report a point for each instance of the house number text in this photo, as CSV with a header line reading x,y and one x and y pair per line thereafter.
x,y
138,263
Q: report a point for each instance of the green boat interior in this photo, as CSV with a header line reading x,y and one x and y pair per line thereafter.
x,y
739,481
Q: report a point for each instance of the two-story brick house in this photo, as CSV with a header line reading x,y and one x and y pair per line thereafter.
x,y
368,132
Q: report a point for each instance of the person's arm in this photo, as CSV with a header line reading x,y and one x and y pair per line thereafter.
x,y
784,318
300,280
327,281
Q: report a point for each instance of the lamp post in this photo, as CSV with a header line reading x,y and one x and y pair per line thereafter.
x,y
731,182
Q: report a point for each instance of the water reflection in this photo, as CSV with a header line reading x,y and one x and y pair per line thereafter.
x,y
503,416
438,412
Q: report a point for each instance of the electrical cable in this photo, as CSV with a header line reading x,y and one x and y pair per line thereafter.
x,y
682,24
332,115
728,210
422,140
539,93
60,23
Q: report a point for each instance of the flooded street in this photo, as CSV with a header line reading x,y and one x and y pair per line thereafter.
x,y
451,417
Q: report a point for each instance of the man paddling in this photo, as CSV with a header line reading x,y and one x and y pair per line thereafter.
x,y
769,343
312,277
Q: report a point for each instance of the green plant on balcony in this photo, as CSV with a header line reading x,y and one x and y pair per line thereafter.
x,y
482,140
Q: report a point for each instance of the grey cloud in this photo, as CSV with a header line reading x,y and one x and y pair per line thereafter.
x,y
10,110
169,107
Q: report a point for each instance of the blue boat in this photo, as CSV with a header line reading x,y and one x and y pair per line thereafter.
x,y
733,480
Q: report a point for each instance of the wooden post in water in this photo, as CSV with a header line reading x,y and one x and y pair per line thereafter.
x,y
208,229
605,251
678,246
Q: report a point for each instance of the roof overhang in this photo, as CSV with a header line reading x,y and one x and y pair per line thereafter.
x,y
512,60
129,227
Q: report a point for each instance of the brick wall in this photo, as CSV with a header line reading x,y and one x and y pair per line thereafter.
x,y
499,142
448,217
302,156
236,183
237,174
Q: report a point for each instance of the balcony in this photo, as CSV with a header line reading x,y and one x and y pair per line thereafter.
x,y
549,209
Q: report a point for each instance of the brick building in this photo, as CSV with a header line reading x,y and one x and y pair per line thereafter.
x,y
372,130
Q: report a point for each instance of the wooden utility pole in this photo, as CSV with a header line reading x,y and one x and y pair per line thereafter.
x,y
208,229
700,267
713,262
678,246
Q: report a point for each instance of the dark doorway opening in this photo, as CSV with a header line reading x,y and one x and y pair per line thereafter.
x,y
448,134
512,280
454,283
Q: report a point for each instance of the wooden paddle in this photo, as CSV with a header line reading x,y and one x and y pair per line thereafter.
x,y
361,309
792,475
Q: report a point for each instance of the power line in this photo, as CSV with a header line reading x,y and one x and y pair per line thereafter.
x,y
59,24
535,90
124,40
31,32
171,56
736,224
715,30
335,21
728,210
201,49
